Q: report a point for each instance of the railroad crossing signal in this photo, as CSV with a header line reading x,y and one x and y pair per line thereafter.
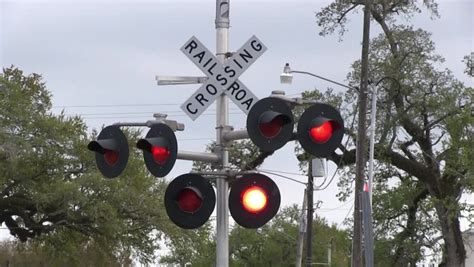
x,y
189,200
270,123
221,77
320,130
270,126
111,151
160,149
254,199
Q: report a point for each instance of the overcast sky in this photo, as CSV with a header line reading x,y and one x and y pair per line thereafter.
x,y
94,53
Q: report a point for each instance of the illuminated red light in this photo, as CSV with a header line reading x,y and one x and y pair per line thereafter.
x,y
254,199
272,128
321,133
111,157
160,154
189,200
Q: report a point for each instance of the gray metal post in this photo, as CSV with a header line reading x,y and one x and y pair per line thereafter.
x,y
373,112
330,253
368,230
222,119
309,220
302,230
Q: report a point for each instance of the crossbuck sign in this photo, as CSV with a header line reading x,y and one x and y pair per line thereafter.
x,y
221,77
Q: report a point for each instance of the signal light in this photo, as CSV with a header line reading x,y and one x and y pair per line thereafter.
x,y
320,130
189,200
254,199
270,123
111,151
160,149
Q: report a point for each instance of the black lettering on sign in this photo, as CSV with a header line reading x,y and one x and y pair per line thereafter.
x,y
191,46
235,86
228,70
240,94
207,62
211,89
189,109
222,79
200,98
256,45
200,56
210,69
248,103
246,55
236,62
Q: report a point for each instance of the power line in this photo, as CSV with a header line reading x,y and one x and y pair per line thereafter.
x,y
177,115
115,105
141,112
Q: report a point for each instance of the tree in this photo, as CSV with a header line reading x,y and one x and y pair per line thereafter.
x,y
51,192
16,253
275,243
196,246
424,138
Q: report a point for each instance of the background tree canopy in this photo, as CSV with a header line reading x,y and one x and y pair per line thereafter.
x,y
51,191
424,135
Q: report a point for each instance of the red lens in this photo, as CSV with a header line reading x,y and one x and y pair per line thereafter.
x,y
254,199
160,154
272,128
111,157
321,133
189,200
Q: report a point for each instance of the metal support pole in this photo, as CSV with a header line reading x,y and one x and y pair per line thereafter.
x,y
330,252
356,260
309,220
222,120
373,113
198,156
302,230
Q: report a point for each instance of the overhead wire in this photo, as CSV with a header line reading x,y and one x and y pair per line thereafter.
x,y
115,105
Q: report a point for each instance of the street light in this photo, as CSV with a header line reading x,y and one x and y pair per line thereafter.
x,y
286,77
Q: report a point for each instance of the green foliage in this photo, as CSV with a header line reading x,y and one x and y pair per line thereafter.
x,y
196,246
275,243
14,253
424,134
334,17
51,192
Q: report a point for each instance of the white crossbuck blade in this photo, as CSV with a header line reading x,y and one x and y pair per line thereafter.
x,y
222,78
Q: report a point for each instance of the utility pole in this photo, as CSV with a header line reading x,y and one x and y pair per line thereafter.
x,y
309,218
222,120
361,140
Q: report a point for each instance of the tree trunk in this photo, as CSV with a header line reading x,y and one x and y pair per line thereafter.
x,y
454,251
